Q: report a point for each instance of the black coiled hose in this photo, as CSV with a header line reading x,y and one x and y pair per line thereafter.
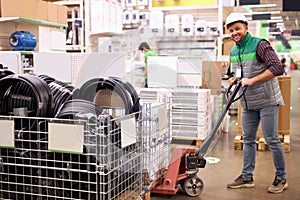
x,y
60,91
125,91
5,72
133,94
72,108
25,91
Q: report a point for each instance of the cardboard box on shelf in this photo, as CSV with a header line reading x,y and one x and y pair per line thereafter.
x,y
42,10
34,9
19,8
62,14
52,12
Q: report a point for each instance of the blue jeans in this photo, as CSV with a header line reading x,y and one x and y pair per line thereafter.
x,y
268,117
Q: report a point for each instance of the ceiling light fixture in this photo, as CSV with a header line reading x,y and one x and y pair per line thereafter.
x,y
266,12
276,17
263,5
275,20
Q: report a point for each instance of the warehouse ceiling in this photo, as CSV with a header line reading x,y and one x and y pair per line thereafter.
x,y
290,19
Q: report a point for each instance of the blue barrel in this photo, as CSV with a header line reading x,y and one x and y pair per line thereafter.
x,y
22,41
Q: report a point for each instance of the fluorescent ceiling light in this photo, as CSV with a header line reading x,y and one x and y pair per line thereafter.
x,y
262,5
265,12
276,17
275,20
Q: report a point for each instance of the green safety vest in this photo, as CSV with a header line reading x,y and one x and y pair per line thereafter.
x,y
243,59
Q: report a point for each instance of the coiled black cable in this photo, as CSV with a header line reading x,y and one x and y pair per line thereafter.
x,y
25,91
60,91
133,94
5,72
46,78
60,95
70,109
90,88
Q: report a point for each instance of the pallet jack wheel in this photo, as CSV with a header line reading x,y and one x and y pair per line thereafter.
x,y
193,186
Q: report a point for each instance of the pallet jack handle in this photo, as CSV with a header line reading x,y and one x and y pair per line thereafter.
x,y
230,97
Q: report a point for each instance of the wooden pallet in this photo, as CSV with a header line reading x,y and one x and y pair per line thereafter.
x,y
187,141
129,195
238,142
261,143
147,195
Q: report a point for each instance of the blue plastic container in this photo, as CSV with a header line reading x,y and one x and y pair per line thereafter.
x,y
22,41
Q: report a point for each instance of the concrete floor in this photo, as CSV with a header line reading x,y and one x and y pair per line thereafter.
x,y
216,176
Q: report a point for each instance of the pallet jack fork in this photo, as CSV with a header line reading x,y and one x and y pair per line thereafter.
x,y
185,161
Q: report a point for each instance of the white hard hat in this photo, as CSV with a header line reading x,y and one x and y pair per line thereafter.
x,y
235,17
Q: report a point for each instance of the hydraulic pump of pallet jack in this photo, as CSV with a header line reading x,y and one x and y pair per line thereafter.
x,y
194,162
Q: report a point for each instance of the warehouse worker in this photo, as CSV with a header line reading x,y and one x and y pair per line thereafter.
x,y
256,65
145,48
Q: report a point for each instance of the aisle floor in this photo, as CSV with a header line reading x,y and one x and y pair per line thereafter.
x,y
216,176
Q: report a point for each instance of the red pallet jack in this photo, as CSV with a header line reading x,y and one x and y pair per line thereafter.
x,y
184,164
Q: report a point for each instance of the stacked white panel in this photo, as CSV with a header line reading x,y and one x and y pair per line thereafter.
x,y
191,113
161,95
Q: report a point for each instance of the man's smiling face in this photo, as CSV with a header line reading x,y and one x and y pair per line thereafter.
x,y
238,31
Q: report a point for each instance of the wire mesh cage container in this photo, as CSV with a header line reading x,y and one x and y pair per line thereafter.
x,y
156,140
94,157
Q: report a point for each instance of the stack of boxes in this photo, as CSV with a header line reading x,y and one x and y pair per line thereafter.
x,y
190,113
161,95
34,9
